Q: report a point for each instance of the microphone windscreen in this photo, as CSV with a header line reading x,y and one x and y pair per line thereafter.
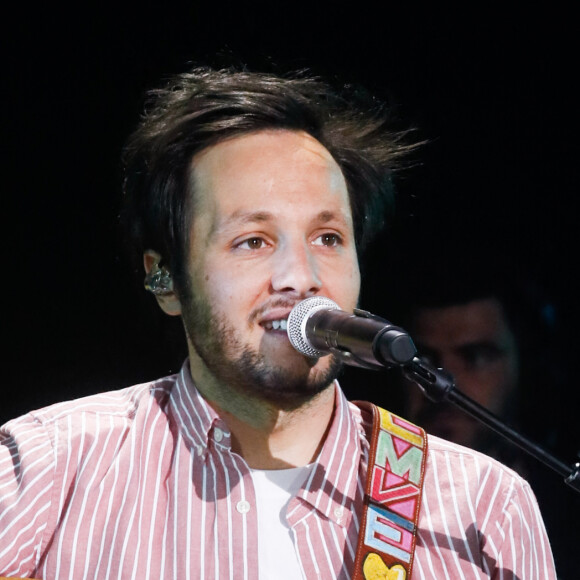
x,y
297,323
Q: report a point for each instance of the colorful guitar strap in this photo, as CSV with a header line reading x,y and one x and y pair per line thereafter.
x,y
397,458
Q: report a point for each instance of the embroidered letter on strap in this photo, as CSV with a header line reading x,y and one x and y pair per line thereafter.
x,y
398,452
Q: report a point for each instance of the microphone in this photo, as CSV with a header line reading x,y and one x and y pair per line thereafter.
x,y
317,327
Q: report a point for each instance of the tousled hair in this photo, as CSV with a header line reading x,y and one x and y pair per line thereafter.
x,y
201,108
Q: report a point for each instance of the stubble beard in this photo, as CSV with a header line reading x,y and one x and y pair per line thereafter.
x,y
238,366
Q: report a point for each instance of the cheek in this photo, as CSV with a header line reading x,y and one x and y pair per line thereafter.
x,y
356,278
232,283
351,282
493,387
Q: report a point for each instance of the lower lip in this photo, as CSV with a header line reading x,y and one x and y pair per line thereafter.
x,y
279,336
278,332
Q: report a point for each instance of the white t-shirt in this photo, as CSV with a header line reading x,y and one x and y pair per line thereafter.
x,y
276,551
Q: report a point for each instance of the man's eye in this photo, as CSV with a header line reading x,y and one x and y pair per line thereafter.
x,y
486,357
482,356
251,244
328,239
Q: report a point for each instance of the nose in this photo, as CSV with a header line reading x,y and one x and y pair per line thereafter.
x,y
295,270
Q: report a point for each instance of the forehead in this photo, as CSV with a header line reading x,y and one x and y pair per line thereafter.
x,y
267,168
477,320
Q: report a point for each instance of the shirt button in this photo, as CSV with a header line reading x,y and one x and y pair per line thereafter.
x,y
243,506
338,513
218,434
199,449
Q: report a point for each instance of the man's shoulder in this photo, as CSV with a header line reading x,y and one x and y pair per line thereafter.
x,y
439,446
122,404
448,460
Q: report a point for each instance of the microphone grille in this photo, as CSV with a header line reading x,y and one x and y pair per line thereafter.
x,y
297,319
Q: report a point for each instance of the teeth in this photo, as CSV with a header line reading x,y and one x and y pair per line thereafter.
x,y
279,324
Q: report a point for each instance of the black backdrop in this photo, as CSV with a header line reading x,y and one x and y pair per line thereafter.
x,y
495,93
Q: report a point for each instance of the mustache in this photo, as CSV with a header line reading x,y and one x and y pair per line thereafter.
x,y
279,302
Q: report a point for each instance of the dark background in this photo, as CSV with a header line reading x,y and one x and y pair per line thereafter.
x,y
494,92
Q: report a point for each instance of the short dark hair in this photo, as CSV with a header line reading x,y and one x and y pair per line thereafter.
x,y
203,107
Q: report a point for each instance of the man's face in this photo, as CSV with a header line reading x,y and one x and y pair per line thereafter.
x,y
475,344
272,226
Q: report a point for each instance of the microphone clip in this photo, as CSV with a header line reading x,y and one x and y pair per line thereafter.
x,y
351,359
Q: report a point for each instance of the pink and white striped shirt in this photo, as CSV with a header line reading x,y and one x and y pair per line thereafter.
x,y
142,483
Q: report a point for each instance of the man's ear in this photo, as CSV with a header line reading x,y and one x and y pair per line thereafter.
x,y
167,299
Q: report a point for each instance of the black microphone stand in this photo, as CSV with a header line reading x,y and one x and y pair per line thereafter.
x,y
383,345
438,385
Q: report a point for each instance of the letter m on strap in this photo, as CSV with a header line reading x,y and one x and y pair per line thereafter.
x,y
406,464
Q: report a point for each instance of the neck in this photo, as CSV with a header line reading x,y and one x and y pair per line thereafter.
x,y
266,436
287,438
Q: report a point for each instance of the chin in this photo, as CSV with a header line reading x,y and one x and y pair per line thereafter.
x,y
287,385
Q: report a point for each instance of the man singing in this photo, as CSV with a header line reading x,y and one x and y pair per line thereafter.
x,y
246,194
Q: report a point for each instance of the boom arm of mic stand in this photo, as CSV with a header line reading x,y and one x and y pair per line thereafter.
x,y
438,385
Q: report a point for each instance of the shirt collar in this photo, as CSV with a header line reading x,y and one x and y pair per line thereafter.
x,y
332,486
195,418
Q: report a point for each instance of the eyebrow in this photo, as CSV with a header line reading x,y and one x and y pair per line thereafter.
x,y
249,217
245,217
328,216
479,344
470,344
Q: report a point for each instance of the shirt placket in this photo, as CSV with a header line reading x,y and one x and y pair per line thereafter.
x,y
235,508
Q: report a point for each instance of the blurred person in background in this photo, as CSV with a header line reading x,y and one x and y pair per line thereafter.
x,y
498,334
